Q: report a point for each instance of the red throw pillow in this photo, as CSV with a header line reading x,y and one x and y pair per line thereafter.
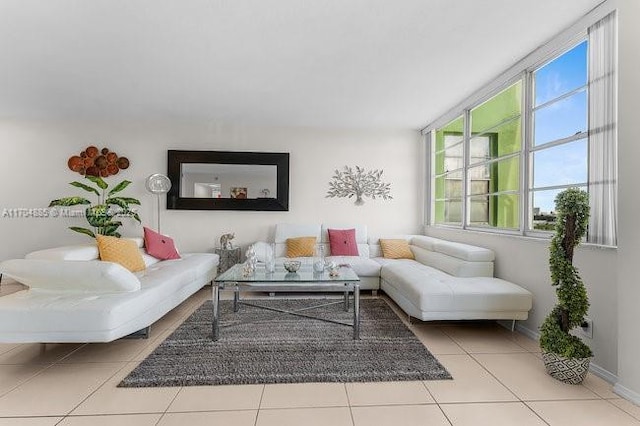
x,y
343,242
159,246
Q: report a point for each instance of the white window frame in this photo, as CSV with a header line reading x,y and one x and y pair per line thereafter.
x,y
530,147
526,190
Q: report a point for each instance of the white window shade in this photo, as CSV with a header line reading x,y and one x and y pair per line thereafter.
x,y
603,150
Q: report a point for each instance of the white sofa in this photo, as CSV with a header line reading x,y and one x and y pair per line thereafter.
x,y
446,281
108,303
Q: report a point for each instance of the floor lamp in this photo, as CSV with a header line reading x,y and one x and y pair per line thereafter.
x,y
158,184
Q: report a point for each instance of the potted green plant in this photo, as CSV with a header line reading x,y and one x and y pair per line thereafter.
x,y
566,357
102,216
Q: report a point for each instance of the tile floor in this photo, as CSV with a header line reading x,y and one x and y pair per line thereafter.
x,y
498,380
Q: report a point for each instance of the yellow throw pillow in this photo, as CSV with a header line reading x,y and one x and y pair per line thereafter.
x,y
122,251
396,249
301,247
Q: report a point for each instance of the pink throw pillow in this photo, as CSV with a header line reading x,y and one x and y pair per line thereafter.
x,y
159,246
343,242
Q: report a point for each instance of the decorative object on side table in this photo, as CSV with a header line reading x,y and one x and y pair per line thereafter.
x,y
565,356
358,182
225,241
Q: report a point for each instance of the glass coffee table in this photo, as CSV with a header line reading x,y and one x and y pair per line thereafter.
x,y
305,280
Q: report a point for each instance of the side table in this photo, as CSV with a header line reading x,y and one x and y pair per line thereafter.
x,y
228,258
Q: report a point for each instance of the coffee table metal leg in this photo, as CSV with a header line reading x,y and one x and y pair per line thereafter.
x,y
236,298
216,312
356,311
346,299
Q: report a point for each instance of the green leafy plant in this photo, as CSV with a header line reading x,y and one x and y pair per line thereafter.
x,y
572,208
102,216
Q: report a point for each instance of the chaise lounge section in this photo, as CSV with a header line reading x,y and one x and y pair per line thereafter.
x,y
451,281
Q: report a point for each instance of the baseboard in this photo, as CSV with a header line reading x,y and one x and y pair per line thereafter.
x,y
528,332
594,368
627,393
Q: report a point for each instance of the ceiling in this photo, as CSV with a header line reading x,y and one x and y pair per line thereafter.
x,y
322,63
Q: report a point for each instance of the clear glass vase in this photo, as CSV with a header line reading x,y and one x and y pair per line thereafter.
x,y
270,258
318,259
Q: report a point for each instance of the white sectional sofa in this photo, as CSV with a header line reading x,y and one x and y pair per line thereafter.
x,y
446,281
73,297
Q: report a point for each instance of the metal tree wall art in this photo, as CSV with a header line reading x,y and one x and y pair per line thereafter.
x,y
359,183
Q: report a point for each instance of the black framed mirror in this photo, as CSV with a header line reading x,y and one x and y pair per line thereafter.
x,y
228,180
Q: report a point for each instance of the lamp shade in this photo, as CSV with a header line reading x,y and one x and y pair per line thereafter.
x,y
158,184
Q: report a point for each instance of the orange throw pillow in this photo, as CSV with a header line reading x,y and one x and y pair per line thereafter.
x,y
396,249
122,251
301,247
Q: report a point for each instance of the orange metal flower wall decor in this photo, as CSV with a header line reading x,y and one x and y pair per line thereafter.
x,y
95,162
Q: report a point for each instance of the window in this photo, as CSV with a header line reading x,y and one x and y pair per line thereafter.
x,y
501,163
448,173
493,173
492,135
559,152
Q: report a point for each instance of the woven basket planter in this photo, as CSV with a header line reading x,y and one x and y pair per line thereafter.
x,y
568,370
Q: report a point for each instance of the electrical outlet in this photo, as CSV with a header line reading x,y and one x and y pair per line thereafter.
x,y
586,328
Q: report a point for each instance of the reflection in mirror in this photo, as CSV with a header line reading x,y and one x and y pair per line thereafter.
x,y
240,181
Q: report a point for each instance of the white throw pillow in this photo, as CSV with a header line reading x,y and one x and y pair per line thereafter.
x,y
71,276
148,259
79,252
138,240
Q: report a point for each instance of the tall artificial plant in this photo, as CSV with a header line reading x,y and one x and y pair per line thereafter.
x,y
572,209
103,215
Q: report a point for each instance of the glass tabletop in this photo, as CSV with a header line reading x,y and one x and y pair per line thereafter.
x,y
304,274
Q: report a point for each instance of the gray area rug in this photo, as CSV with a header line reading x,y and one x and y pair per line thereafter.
x,y
261,346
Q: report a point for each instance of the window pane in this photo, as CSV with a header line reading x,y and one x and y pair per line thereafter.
x,y
503,140
502,211
561,119
565,164
451,139
480,149
542,210
506,104
449,186
450,159
451,133
562,75
479,211
499,176
453,159
448,212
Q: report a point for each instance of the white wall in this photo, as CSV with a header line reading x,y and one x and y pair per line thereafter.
x,y
629,200
524,261
33,171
